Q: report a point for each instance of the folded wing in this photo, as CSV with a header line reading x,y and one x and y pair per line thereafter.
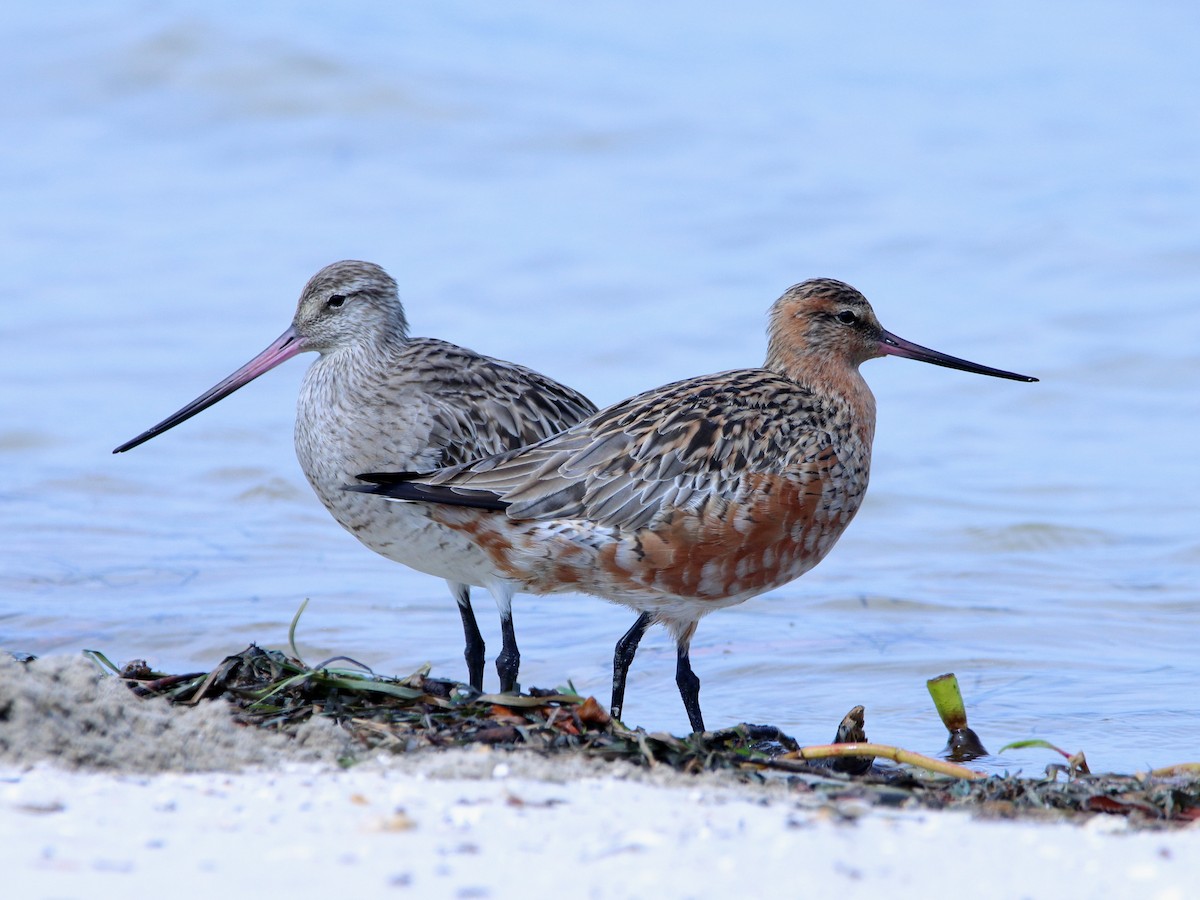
x,y
686,446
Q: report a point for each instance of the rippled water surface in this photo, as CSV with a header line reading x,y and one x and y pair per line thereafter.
x,y
614,195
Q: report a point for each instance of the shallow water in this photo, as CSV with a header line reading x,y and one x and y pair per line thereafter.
x,y
614,196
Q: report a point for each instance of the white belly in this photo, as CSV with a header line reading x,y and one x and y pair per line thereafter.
x,y
404,533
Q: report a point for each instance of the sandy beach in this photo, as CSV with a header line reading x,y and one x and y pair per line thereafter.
x,y
102,791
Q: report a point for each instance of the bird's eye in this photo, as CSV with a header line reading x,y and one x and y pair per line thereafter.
x,y
336,301
847,317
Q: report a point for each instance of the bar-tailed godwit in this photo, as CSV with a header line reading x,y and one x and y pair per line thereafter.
x,y
695,496
377,398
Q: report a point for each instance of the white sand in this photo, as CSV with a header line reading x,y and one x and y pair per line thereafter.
x,y
115,795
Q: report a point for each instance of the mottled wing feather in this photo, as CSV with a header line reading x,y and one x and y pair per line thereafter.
x,y
482,406
682,446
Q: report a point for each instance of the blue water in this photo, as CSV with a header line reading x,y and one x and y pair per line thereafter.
x,y
614,195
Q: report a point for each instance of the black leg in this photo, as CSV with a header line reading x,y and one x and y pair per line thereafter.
x,y
623,658
689,688
474,652
508,663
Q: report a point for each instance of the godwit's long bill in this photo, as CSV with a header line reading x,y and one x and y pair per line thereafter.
x,y
377,398
694,496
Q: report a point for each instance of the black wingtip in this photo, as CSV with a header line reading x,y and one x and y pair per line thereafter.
x,y
388,477
400,486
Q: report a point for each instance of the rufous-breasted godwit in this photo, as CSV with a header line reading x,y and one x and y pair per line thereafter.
x,y
694,496
377,398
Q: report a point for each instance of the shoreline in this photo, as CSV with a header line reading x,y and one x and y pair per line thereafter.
x,y
101,789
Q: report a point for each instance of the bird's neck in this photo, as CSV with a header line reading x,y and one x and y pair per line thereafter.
x,y
829,376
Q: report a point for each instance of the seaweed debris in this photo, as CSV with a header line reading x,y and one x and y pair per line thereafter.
x,y
272,690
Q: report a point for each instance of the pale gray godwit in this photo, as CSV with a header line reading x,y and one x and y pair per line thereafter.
x,y
696,495
376,398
